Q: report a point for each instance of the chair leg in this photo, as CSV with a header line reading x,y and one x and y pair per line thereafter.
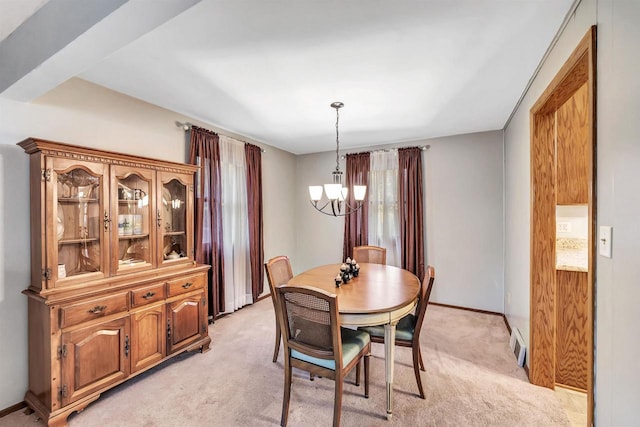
x,y
416,369
287,394
276,350
337,403
366,375
358,374
421,362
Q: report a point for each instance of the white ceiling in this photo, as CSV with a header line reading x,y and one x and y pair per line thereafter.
x,y
268,69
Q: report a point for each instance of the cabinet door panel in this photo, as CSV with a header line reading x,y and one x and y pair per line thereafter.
x,y
77,201
174,223
147,337
133,221
186,322
93,358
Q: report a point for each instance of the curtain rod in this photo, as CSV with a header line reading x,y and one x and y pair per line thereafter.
x,y
421,147
186,126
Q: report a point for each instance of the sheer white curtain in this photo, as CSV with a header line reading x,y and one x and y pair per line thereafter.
x,y
384,229
235,225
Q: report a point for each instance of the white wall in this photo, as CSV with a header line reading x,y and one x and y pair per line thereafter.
x,y
318,237
464,210
463,217
81,113
617,376
617,290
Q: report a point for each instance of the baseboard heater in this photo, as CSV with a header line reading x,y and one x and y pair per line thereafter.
x,y
518,346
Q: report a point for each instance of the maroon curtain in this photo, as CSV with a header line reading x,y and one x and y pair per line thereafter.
x,y
410,208
253,158
205,152
356,224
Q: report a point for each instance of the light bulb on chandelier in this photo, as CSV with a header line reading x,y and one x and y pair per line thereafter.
x,y
335,193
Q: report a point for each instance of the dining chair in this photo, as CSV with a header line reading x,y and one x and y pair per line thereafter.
x,y
314,342
408,328
370,254
279,272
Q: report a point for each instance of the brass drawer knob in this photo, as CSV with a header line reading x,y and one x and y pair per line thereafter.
x,y
148,295
97,309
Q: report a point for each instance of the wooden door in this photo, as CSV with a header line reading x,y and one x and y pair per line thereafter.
x,y
186,321
148,337
93,358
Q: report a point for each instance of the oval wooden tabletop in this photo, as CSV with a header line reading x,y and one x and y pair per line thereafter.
x,y
377,289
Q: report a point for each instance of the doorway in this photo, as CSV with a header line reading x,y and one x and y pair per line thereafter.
x,y
563,149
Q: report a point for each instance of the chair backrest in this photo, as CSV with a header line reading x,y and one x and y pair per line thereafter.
x,y
309,322
425,294
278,271
370,254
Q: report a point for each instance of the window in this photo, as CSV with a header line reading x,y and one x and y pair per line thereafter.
x,y
384,229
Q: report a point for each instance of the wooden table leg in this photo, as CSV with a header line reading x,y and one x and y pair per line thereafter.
x,y
389,347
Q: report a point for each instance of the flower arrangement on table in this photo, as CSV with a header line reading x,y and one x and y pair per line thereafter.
x,y
348,270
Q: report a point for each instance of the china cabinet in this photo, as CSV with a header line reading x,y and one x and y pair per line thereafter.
x,y
114,286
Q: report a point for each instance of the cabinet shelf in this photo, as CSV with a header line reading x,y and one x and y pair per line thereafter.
x,y
130,261
72,200
174,233
133,236
76,241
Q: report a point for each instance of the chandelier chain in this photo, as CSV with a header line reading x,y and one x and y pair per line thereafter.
x,y
337,139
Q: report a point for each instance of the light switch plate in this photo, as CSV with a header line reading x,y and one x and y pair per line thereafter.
x,y
604,241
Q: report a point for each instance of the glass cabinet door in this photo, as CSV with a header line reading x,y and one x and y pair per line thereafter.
x,y
131,219
175,227
78,205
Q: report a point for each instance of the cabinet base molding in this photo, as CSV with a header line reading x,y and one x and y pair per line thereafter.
x,y
59,418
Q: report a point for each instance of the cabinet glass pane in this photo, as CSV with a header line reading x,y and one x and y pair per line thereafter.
x,y
174,220
78,223
133,221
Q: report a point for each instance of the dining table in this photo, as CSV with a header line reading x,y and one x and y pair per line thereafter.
x,y
380,295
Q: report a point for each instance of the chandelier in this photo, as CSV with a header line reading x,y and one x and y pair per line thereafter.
x,y
335,193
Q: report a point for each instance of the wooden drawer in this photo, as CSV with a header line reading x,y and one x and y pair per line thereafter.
x,y
186,284
92,309
147,295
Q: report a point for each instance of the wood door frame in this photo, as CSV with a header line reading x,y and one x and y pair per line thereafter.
x,y
580,68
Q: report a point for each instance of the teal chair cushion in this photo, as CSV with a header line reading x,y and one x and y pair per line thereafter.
x,y
404,329
352,343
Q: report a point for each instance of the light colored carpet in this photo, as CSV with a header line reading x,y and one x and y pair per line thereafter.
x,y
471,379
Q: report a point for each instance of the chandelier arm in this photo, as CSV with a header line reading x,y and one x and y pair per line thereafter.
x,y
315,205
348,209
